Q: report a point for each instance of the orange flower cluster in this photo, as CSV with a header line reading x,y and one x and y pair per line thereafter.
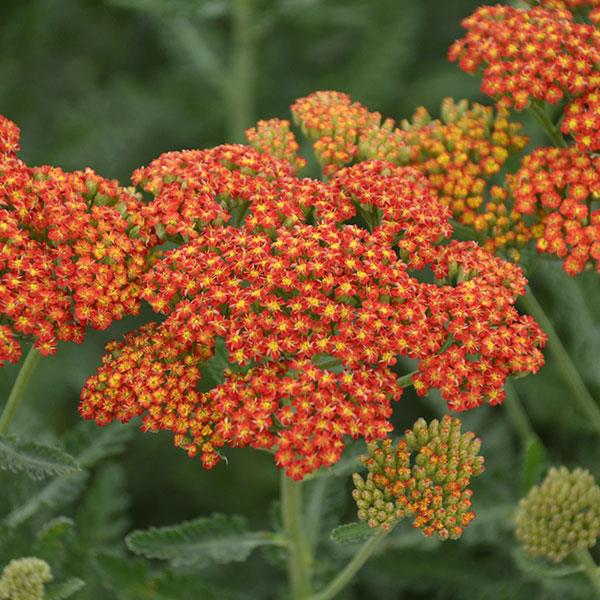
x,y
275,138
333,122
426,475
557,186
529,54
486,339
73,248
582,121
313,318
398,205
459,154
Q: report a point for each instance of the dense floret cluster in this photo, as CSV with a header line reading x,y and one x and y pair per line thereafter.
x,y
73,249
560,515
557,186
288,302
24,579
426,475
527,55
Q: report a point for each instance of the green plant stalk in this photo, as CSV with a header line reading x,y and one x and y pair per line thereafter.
x,y
517,413
406,380
592,570
240,84
349,571
581,394
18,389
553,132
299,561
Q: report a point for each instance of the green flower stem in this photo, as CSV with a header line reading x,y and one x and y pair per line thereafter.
x,y
240,84
18,389
406,380
592,570
541,116
581,394
517,413
299,563
349,571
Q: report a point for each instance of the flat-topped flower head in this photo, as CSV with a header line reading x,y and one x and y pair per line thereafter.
x,y
560,515
425,476
74,246
24,579
527,55
556,187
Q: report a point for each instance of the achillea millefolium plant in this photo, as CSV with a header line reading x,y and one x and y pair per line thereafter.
x,y
288,307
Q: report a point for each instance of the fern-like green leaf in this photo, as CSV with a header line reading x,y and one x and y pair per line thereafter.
x,y
57,492
35,460
352,532
64,589
218,538
90,444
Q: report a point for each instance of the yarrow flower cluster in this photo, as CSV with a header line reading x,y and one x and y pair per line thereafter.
x,y
557,187
24,579
73,248
459,154
426,475
534,54
560,515
285,299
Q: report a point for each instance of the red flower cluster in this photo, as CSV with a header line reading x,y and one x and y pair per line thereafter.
x,y
557,185
275,138
398,205
582,120
334,123
485,340
459,154
312,320
73,248
540,54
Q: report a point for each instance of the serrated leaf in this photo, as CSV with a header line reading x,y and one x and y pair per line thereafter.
x,y
352,532
57,492
218,538
35,460
90,444
50,538
539,568
64,589
102,517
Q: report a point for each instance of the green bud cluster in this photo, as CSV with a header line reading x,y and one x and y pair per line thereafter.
x,y
24,579
560,515
426,475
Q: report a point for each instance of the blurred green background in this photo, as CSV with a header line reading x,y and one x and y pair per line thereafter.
x,y
113,84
